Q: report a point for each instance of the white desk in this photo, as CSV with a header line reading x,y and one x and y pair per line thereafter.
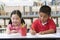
x,y
17,35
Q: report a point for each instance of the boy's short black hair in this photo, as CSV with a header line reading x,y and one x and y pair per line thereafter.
x,y
45,9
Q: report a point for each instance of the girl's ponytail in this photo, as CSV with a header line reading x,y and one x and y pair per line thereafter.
x,y
22,21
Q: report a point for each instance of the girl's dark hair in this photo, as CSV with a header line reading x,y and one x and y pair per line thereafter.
x,y
19,14
45,9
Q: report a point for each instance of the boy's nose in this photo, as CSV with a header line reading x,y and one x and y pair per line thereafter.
x,y
42,18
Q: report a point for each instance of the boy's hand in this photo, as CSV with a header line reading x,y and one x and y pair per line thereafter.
x,y
42,33
32,32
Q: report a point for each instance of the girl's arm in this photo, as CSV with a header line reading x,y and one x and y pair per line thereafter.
x,y
8,30
12,31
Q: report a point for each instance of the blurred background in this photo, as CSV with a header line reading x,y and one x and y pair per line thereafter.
x,y
29,10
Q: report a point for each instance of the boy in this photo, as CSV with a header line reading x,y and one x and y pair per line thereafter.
x,y
44,24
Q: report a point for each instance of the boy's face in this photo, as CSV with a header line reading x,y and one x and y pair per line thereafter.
x,y
15,19
43,17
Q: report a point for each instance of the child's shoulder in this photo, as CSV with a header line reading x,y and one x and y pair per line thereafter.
x,y
50,20
9,25
36,21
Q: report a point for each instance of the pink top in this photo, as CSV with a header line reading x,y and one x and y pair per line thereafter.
x,y
13,28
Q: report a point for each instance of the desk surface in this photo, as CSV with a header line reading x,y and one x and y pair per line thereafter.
x,y
17,35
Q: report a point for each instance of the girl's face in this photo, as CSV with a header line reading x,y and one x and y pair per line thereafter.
x,y
43,17
15,19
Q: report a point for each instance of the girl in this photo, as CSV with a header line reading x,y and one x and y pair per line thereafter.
x,y
15,23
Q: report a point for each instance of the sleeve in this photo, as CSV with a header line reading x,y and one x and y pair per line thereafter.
x,y
8,27
52,25
33,26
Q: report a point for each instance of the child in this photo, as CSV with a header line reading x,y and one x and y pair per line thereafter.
x,y
44,24
15,22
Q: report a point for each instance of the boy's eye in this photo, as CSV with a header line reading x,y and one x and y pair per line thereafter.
x,y
44,16
40,16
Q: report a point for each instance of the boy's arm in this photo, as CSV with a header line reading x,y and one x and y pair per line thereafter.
x,y
52,28
32,32
33,29
47,31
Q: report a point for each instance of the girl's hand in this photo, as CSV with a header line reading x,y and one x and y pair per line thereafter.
x,y
32,32
13,31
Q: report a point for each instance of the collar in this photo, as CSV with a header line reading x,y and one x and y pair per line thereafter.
x,y
44,23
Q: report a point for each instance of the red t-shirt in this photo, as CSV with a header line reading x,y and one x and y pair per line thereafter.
x,y
38,27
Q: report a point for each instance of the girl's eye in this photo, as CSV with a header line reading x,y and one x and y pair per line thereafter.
x,y
13,18
17,18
